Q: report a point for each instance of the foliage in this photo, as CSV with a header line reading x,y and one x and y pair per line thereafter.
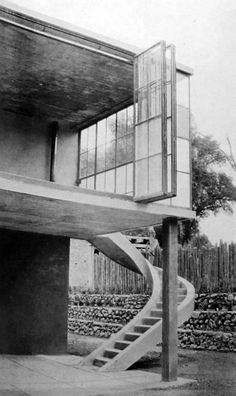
x,y
212,189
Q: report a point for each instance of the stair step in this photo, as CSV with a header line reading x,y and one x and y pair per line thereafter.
x,y
141,328
157,313
121,344
150,320
131,336
100,361
111,352
159,305
180,298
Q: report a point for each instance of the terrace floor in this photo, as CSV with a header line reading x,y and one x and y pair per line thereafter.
x,y
61,375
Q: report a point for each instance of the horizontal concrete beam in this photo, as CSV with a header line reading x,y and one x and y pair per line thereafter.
x,y
39,206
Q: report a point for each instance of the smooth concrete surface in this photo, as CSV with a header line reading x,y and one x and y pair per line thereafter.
x,y
62,375
49,208
33,293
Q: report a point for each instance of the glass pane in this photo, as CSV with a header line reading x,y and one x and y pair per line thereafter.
x,y
130,176
155,136
130,148
142,105
83,164
83,183
110,181
169,135
120,179
169,175
90,183
91,137
100,158
101,135
100,182
183,163
183,190
182,88
183,122
168,63
154,64
111,128
154,100
91,162
110,155
142,70
141,177
130,119
141,141
83,140
155,174
121,153
168,92
121,123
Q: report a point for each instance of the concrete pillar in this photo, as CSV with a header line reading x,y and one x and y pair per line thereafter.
x,y
33,293
169,300
81,273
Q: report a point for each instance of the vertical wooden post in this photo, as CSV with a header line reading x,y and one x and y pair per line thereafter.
x,y
169,300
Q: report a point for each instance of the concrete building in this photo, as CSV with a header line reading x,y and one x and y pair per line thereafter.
x,y
76,162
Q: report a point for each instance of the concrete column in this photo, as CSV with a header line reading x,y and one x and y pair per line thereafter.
x,y
33,293
169,299
81,273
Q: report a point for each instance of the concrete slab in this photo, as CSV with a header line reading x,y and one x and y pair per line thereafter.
x,y
62,375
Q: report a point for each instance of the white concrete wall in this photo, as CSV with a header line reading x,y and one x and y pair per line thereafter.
x,y
81,271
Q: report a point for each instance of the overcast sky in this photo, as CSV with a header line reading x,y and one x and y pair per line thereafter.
x,y
204,32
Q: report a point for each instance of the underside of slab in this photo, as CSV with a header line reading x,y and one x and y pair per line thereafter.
x,y
42,207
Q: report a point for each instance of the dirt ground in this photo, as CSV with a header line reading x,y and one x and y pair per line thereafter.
x,y
215,372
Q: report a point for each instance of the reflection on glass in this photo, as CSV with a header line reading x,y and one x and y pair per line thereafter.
x,y
91,162
110,181
121,180
101,158
121,123
100,182
182,89
83,165
90,183
155,136
183,162
91,137
141,174
155,174
142,104
83,140
83,183
111,128
141,141
129,181
169,175
129,148
169,150
183,122
154,64
130,119
168,93
183,190
101,135
110,155
154,100
121,151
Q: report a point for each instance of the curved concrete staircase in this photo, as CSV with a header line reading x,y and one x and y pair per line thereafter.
x,y
144,331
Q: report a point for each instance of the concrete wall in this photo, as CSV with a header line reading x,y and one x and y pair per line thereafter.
x,y
24,146
81,272
67,156
33,293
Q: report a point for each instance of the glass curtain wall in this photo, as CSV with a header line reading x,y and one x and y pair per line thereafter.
x,y
106,154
